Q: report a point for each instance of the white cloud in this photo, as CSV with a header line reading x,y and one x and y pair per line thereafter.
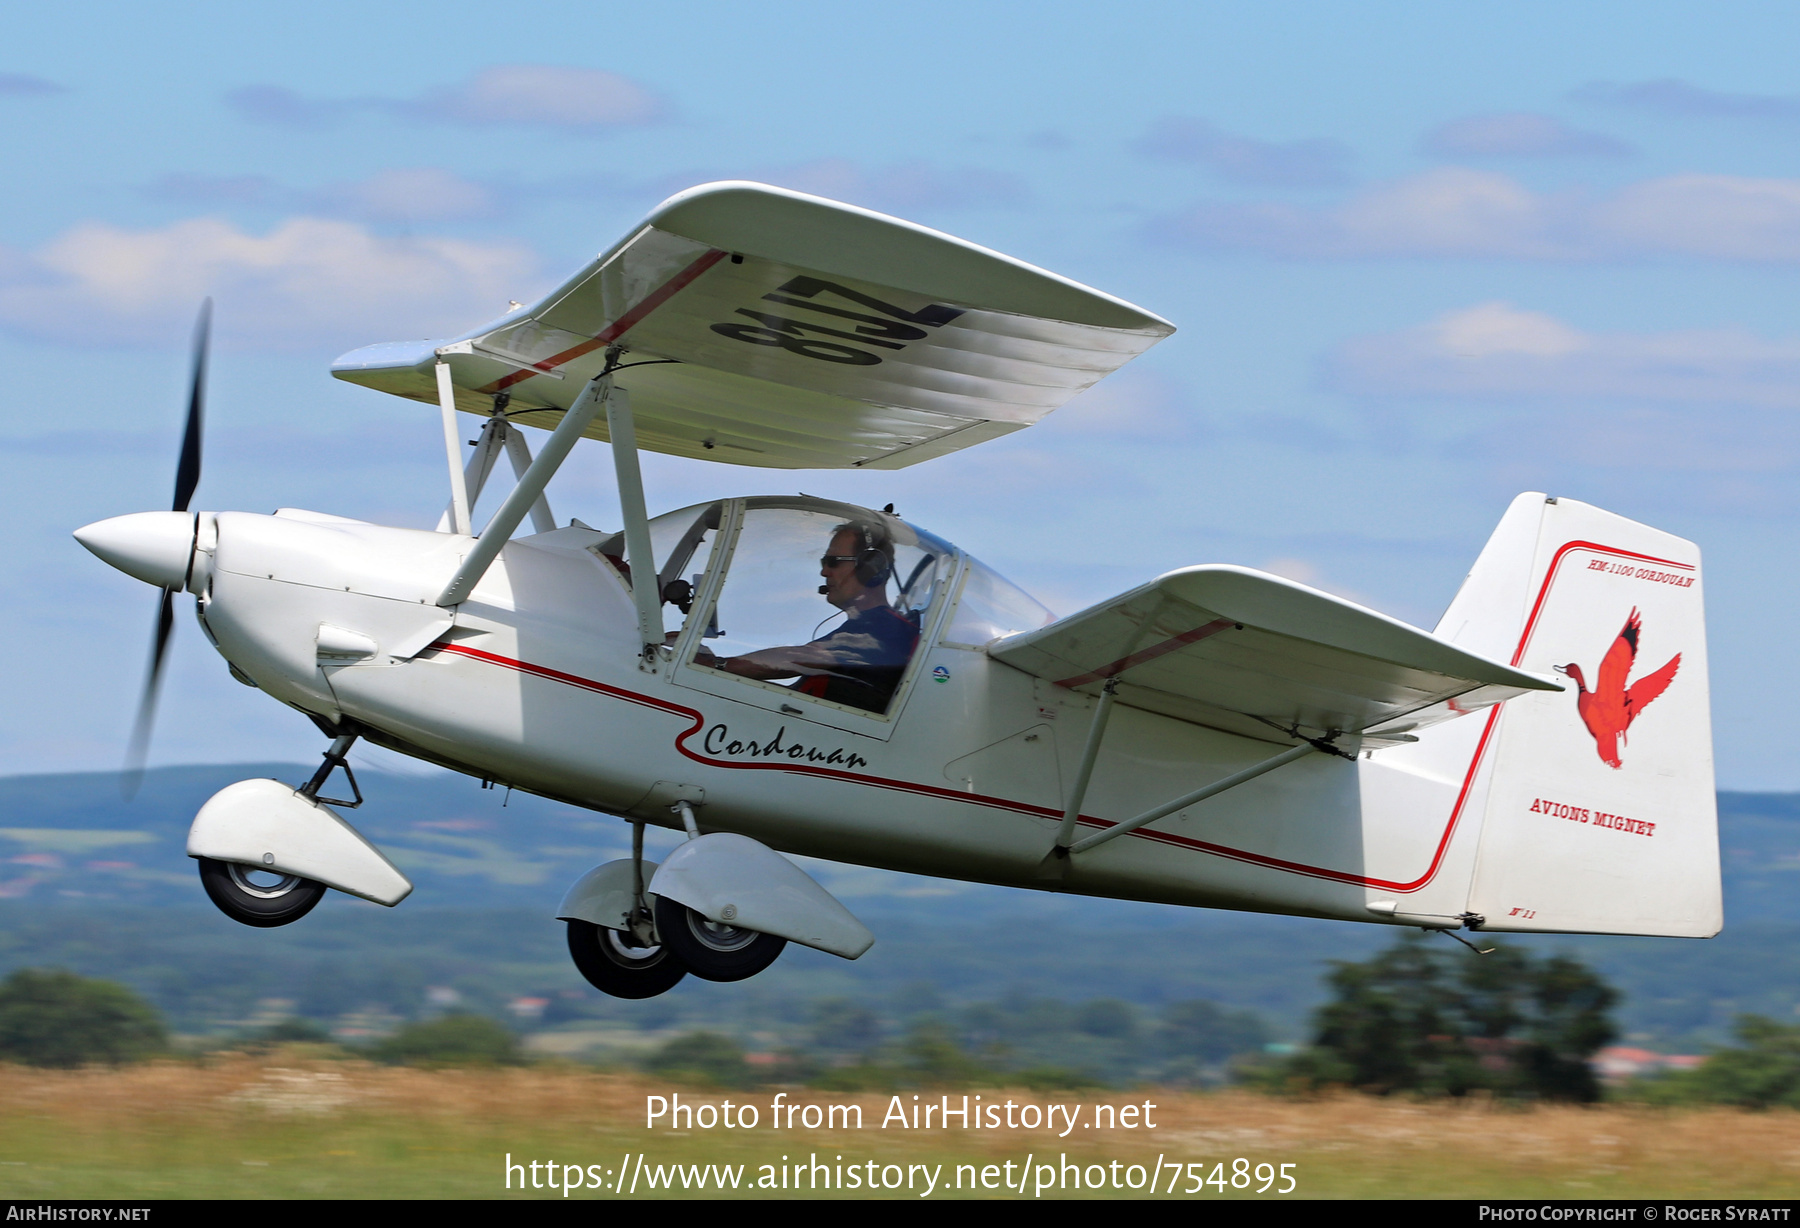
x,y
406,194
1722,216
1672,96
1313,163
1519,134
284,108
1493,329
527,95
1450,212
415,194
1497,351
428,194
1459,212
1129,404
213,190
23,84
309,280
544,95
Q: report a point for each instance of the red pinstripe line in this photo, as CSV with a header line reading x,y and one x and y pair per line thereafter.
x,y
977,799
1556,562
1149,654
619,327
556,675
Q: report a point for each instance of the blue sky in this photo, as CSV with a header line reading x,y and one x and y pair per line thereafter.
x,y
1422,257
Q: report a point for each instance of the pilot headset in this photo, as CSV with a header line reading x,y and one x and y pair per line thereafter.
x,y
874,553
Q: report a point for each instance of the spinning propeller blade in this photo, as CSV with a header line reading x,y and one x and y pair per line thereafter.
x,y
187,472
187,477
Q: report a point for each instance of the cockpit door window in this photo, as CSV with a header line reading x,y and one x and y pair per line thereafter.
x,y
823,610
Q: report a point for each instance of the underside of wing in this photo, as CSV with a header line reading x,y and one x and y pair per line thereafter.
x,y
787,331
1256,655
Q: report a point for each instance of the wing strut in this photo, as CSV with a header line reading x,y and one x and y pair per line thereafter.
x,y
623,432
1199,795
1089,753
527,492
498,433
1055,865
519,453
475,473
459,485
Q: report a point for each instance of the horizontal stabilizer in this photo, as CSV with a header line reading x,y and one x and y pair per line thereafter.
x,y
1256,655
789,332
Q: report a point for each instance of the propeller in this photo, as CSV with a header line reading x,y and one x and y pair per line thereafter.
x,y
187,477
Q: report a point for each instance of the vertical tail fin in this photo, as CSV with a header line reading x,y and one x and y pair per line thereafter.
x,y
1596,805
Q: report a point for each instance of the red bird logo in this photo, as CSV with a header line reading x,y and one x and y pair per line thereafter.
x,y
1610,707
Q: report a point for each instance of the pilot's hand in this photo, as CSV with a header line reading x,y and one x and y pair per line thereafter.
x,y
704,656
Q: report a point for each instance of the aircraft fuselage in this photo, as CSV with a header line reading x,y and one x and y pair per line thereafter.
x,y
535,682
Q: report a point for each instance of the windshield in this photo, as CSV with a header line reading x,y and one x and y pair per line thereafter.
x,y
992,606
827,600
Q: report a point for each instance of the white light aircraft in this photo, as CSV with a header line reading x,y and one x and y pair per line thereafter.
x,y
1217,737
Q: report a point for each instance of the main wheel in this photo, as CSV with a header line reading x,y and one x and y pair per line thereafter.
x,y
614,963
252,896
712,950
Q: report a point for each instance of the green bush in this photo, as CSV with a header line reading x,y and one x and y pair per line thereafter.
x,y
1203,1031
454,1040
55,1018
702,1057
931,1057
295,1029
1444,1022
1762,1073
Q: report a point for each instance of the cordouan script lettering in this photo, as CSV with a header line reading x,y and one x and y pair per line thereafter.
x,y
719,741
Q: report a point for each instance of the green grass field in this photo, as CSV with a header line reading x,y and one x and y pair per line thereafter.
x,y
287,1127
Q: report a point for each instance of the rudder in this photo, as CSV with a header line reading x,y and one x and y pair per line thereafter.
x,y
1597,805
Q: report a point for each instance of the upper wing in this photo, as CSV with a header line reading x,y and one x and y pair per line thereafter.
x,y
1253,654
804,333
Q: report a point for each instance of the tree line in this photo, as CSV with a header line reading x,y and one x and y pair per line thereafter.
x,y
1418,1019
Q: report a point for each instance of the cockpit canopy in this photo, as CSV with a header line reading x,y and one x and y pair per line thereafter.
x,y
747,574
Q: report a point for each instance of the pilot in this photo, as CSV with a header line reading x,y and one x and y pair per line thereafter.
x,y
860,663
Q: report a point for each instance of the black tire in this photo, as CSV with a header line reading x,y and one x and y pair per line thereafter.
x,y
712,951
249,902
614,963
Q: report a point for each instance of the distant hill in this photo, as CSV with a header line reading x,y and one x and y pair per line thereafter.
x,y
72,836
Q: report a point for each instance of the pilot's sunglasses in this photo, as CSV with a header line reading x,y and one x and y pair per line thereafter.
x,y
832,560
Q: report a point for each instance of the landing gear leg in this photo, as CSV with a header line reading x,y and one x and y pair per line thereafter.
x,y
336,756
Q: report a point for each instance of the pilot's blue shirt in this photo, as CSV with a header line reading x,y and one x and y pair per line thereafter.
x,y
869,654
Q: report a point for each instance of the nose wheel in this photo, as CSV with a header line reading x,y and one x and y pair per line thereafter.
x,y
263,898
